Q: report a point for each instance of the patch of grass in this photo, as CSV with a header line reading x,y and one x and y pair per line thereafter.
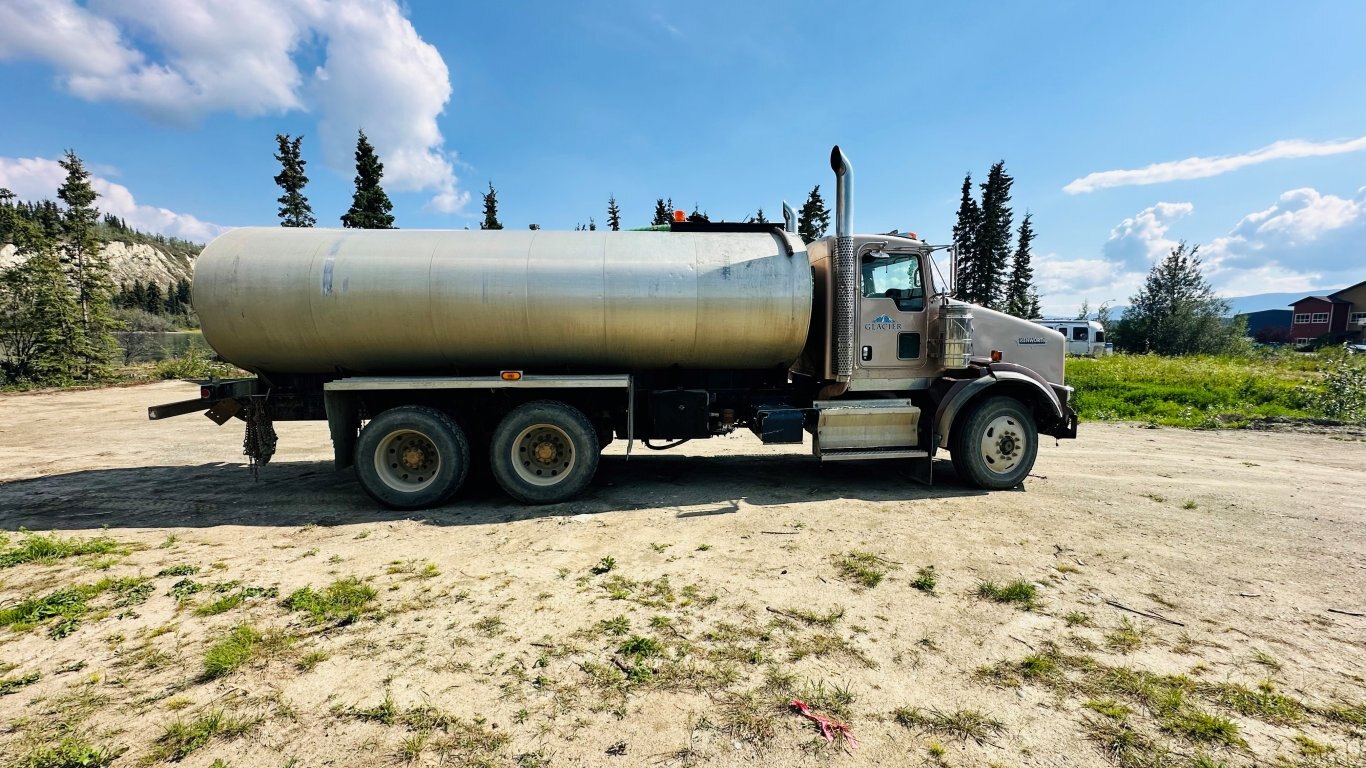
x,y
1108,707
813,618
925,580
65,606
1077,619
10,685
1264,703
863,568
703,547
827,645
641,647
182,737
1347,714
605,565
168,542
47,549
235,599
1195,391
1066,568
1195,724
70,752
1126,638
179,570
343,601
617,625
1311,748
490,626
962,724
231,652
1124,746
658,547
1189,504
1266,660
1019,592
309,660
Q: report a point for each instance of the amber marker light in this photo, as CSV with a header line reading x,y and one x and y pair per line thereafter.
x,y
995,355
680,216
511,375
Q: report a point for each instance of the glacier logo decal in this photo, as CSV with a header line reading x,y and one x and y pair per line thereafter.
x,y
882,323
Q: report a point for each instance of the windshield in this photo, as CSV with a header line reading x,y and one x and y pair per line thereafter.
x,y
897,277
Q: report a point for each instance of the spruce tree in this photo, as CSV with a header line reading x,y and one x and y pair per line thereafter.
x,y
1176,312
1019,291
370,206
698,217
991,249
964,241
662,214
154,299
613,214
491,210
294,208
592,225
758,217
39,317
88,270
814,218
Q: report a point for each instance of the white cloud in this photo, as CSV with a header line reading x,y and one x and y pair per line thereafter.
x,y
1304,233
180,60
1140,240
1204,167
36,178
1305,241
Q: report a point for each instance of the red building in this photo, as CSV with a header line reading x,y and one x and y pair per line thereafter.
x,y
1339,316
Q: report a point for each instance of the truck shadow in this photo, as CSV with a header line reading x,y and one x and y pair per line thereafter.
x,y
298,493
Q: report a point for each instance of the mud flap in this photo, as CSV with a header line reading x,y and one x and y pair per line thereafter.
x,y
343,422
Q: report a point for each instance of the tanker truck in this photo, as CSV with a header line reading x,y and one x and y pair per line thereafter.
x,y
526,353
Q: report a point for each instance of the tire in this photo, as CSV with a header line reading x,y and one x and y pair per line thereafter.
x,y
994,444
544,452
412,457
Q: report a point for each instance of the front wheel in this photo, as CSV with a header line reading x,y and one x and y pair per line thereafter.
x,y
994,444
411,457
544,452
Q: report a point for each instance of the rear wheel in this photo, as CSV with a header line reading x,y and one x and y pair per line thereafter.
x,y
411,457
993,446
544,452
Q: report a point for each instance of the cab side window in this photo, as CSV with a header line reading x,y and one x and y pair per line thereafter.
x,y
894,277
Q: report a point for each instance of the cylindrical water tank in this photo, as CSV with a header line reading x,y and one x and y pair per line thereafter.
x,y
412,301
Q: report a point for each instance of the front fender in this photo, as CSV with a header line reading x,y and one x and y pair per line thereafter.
x,y
1023,384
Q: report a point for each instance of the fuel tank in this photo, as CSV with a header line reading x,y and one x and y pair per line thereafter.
x,y
433,301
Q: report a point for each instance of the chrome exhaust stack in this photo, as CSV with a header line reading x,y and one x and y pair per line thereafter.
x,y
789,218
845,269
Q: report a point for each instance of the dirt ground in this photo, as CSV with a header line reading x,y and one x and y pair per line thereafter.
x,y
670,615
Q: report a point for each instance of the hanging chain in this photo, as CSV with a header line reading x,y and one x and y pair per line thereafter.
x,y
259,444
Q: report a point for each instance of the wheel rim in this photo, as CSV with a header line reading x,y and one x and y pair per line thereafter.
x,y
543,455
1003,444
407,461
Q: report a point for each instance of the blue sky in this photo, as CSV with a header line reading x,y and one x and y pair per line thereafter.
x,y
728,106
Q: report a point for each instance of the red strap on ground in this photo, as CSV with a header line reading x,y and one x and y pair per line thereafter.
x,y
829,728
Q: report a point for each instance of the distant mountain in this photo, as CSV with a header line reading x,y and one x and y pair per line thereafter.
x,y
1241,305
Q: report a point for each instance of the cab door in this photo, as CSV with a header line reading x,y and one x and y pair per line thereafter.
x,y
891,316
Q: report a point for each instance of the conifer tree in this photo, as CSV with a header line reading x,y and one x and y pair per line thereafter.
x,y
88,270
662,214
991,249
758,217
814,218
613,214
964,241
370,206
1020,289
491,210
698,217
39,317
1177,312
294,208
592,225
